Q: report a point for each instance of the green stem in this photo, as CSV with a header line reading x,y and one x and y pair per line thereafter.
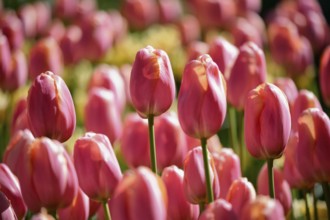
x,y
233,128
207,171
316,214
153,158
54,214
201,207
326,192
271,178
240,121
106,211
308,215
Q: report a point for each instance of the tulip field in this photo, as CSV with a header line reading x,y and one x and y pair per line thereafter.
x,y
164,110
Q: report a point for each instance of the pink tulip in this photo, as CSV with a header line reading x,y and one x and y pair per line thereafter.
x,y
202,98
219,209
28,16
19,118
5,59
267,122
69,43
314,131
179,207
43,11
240,193
169,11
12,27
289,88
189,29
102,114
194,177
94,206
97,166
243,31
79,208
120,26
228,168
6,210
125,72
140,195
152,86
263,208
65,8
223,53
48,174
51,110
325,76
258,22
55,30
10,187
244,6
196,49
281,187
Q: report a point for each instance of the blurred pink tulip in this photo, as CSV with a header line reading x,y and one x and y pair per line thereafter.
x,y
179,207
243,31
125,72
289,88
228,168
102,114
169,11
202,98
152,85
140,195
324,76
219,209
12,27
55,30
281,187
194,177
44,56
5,59
244,6
97,166
189,29
120,26
247,72
65,8
267,122
10,187
6,210
79,208
196,49
69,43
28,15
51,110
19,119
44,13
240,193
263,208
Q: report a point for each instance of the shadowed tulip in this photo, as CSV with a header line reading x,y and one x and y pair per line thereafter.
x,y
219,209
10,187
97,166
79,208
12,27
152,85
50,109
325,76
102,114
69,43
140,195
179,207
228,168
196,49
240,193
194,177
202,98
189,29
267,122
247,72
281,187
65,8
289,88
6,210
263,208
19,119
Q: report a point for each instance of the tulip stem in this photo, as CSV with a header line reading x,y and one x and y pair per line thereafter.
x,y
106,211
316,214
201,207
271,178
326,192
233,128
152,143
207,171
308,215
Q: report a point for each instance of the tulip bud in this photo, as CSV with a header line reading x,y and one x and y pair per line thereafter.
x,y
194,177
43,11
240,193
28,16
102,114
219,209
19,119
51,111
228,168
189,29
5,58
141,194
267,122
79,208
69,43
281,187
56,30
152,86
6,210
179,207
45,55
289,88
10,187
169,11
120,26
125,72
97,166
202,98
12,28
247,72
263,208
325,76
244,6
65,8
196,49
243,31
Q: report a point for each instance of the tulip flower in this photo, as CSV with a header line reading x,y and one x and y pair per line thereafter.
x,y
263,208
79,208
228,168
10,187
281,186
219,209
43,11
189,29
140,195
102,114
51,111
223,53
5,59
19,118
125,72
28,16
169,11
325,75
56,30
244,6
240,193
119,24
289,88
195,180
69,44
196,49
65,8
12,27
243,31
267,124
97,166
6,210
179,207
49,177
44,56
247,72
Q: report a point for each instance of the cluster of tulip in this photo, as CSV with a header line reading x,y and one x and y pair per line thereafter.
x,y
119,141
